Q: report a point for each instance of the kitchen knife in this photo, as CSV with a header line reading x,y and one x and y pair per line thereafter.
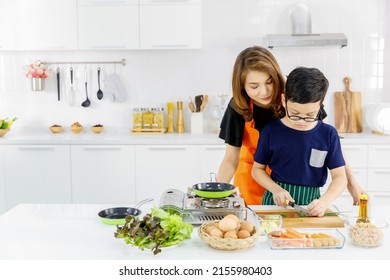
x,y
302,211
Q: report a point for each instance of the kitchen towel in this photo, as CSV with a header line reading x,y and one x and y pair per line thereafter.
x,y
115,88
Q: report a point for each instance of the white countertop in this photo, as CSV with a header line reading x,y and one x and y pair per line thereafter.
x,y
75,232
118,136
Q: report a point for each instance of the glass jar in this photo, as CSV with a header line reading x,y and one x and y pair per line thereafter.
x,y
147,118
158,121
137,117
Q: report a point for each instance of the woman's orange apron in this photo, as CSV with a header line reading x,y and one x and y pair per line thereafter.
x,y
251,191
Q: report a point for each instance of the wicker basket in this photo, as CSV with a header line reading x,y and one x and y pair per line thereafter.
x,y
227,244
3,132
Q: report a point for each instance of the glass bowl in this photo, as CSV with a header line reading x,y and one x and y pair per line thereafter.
x,y
366,234
269,223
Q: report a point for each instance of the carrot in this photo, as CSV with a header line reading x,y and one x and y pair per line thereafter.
x,y
297,234
289,235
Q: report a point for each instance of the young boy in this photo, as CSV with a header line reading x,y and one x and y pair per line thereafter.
x,y
299,148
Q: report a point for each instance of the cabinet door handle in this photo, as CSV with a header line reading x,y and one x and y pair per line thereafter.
x,y
167,148
382,148
162,46
382,172
102,148
109,47
352,148
106,2
47,47
36,148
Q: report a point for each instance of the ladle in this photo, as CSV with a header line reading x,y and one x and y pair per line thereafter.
x,y
100,92
87,102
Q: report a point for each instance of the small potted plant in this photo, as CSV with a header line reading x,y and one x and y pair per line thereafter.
x,y
37,72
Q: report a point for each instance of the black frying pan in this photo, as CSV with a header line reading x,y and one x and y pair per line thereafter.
x,y
117,215
213,189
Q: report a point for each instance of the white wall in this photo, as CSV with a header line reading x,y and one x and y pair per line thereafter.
x,y
155,77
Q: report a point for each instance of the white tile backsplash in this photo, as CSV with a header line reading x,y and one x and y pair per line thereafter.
x,y
156,77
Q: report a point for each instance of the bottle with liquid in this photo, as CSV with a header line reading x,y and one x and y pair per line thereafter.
x,y
180,117
171,108
363,209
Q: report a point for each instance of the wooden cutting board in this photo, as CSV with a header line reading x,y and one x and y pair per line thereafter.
x,y
348,109
291,218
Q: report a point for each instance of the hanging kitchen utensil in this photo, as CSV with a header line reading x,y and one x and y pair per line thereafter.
x,y
348,109
71,95
58,84
117,215
99,92
198,102
87,102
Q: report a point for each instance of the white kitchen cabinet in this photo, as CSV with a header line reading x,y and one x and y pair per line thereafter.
x,y
37,174
211,158
7,40
378,177
108,24
45,24
3,196
170,24
162,167
103,174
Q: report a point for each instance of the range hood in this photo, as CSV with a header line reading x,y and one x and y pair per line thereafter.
x,y
301,33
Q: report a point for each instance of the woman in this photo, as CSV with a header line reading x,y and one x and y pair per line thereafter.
x,y
257,86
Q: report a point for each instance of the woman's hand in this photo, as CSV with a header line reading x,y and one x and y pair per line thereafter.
x,y
317,208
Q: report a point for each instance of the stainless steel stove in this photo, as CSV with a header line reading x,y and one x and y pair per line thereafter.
x,y
197,210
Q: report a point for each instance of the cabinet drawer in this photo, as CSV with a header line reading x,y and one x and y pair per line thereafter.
x,y
378,180
379,198
379,156
356,155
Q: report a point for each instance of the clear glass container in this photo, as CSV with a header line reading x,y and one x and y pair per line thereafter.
x,y
147,118
137,117
158,121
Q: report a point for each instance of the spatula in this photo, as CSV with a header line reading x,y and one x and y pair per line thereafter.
x,y
198,102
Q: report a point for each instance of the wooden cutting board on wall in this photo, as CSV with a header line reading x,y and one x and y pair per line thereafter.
x,y
348,109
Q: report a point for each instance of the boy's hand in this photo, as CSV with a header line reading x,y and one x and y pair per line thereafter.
x,y
317,208
281,196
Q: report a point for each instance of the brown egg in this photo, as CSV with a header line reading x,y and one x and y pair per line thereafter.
x,y
216,232
243,234
227,224
230,234
210,228
247,225
232,216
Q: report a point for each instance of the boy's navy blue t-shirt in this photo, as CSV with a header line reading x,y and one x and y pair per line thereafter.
x,y
299,157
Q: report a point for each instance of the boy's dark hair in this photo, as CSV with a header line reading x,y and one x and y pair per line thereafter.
x,y
306,85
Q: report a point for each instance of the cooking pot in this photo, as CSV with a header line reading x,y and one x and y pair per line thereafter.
x,y
117,215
